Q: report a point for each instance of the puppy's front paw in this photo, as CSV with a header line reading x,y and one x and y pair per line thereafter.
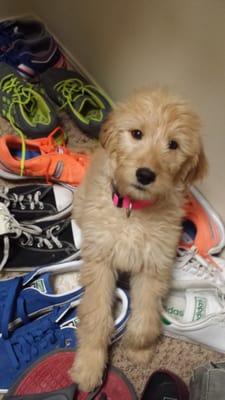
x,y
142,335
88,368
139,356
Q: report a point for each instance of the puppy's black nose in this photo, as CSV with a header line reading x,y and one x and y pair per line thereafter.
x,y
145,176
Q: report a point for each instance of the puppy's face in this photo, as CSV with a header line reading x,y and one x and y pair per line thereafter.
x,y
154,144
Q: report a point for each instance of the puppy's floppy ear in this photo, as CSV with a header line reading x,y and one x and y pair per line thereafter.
x,y
195,169
108,135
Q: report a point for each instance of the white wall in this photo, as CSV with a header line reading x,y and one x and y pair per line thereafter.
x,y
10,8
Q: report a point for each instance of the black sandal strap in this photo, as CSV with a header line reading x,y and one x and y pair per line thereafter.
x,y
92,395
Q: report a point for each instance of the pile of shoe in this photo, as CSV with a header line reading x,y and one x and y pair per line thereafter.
x,y
195,308
38,235
35,229
32,114
34,86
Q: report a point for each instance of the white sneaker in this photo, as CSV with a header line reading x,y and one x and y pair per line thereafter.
x,y
196,316
193,271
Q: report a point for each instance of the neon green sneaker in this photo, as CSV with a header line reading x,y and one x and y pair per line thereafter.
x,y
30,113
84,102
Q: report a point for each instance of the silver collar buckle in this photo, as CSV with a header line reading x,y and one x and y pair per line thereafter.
x,y
129,209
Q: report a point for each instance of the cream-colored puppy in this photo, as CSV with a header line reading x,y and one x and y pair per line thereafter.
x,y
151,150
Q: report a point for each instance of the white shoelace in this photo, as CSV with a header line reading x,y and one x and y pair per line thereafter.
x,y
9,225
190,261
12,198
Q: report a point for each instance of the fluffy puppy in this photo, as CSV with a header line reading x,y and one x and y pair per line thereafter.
x,y
151,150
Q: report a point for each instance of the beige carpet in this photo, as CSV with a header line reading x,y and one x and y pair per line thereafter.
x,y
178,356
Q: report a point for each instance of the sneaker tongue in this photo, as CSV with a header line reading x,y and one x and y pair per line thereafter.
x,y
43,284
201,303
189,233
88,108
186,239
84,103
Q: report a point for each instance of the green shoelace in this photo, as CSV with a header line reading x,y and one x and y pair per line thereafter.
x,y
32,106
70,90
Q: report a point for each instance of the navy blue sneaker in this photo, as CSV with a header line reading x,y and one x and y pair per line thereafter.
x,y
12,30
26,296
21,29
30,58
52,331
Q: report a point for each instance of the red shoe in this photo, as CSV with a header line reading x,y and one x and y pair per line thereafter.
x,y
44,159
49,379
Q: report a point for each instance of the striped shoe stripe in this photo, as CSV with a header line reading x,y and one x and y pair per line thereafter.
x,y
27,70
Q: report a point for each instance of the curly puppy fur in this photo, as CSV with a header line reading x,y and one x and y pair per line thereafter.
x,y
143,244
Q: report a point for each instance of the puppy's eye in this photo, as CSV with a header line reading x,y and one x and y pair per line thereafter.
x,y
173,145
137,134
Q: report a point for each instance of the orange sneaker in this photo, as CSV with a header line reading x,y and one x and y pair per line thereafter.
x,y
44,159
203,228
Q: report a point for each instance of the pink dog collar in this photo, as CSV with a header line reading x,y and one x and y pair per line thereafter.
x,y
129,204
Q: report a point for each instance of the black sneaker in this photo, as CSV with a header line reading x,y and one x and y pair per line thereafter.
x,y
34,203
29,112
24,247
87,105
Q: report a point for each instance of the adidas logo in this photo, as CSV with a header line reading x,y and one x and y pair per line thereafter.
x,y
175,311
200,308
